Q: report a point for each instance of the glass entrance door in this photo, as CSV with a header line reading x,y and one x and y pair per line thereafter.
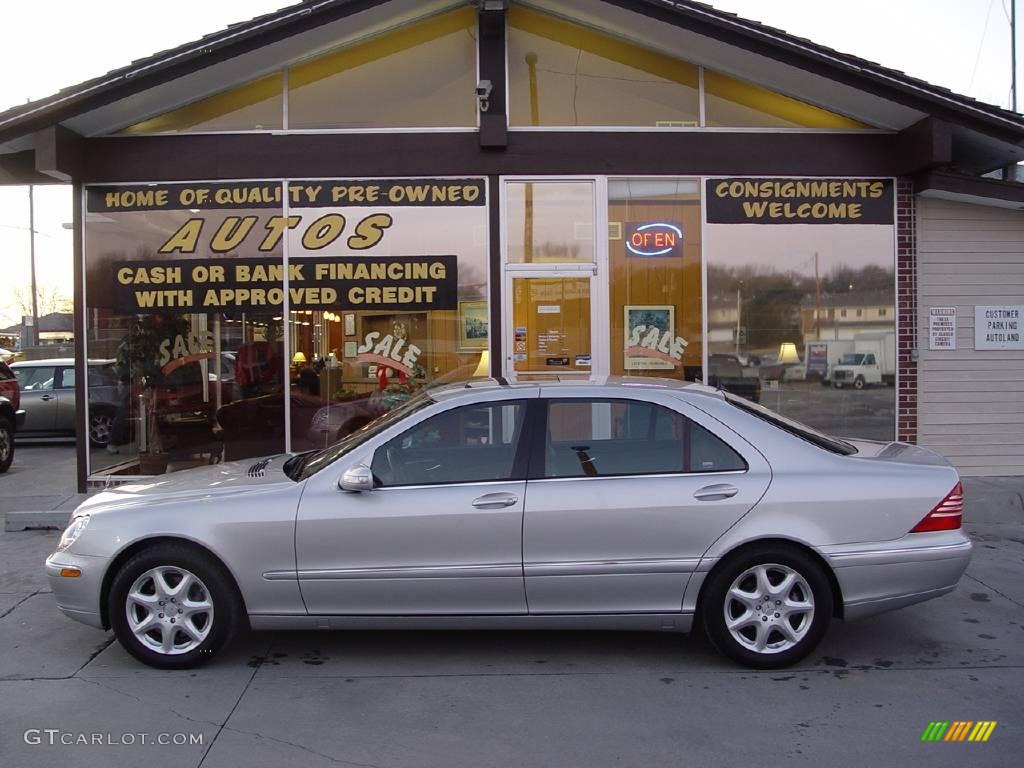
x,y
555,300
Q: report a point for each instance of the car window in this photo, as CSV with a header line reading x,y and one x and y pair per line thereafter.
x,y
35,378
725,366
602,438
67,378
101,376
869,360
471,444
811,435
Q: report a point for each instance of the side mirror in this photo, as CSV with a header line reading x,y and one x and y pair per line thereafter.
x,y
356,479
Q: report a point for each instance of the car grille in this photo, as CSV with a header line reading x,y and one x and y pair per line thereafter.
x,y
259,469
839,375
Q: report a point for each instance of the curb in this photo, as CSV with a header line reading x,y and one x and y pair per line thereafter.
x,y
48,520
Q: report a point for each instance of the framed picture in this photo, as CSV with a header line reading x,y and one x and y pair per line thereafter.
x,y
646,323
473,325
350,324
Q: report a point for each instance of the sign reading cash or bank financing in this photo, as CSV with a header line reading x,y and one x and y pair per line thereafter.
x,y
197,266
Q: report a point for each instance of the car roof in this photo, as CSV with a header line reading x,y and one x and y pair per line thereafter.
x,y
56,361
605,383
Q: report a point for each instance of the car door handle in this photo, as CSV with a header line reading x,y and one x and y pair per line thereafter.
x,y
46,397
495,500
715,492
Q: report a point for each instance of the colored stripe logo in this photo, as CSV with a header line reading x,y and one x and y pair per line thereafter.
x,y
958,730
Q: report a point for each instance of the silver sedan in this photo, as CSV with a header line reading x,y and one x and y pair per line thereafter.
x,y
621,504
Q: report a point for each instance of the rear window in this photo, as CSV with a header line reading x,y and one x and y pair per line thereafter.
x,y
831,444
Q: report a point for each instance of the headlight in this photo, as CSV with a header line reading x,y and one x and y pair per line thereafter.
x,y
72,532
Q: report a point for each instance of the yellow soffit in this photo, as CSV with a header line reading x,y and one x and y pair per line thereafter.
x,y
211,108
387,44
775,104
602,45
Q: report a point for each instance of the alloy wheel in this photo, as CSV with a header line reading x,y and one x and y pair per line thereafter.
x,y
769,608
100,427
5,444
169,610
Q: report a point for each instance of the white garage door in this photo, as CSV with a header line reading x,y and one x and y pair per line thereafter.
x,y
970,402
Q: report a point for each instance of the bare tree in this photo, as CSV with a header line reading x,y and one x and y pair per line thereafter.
x,y
48,298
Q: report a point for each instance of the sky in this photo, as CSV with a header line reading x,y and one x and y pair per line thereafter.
x,y
963,45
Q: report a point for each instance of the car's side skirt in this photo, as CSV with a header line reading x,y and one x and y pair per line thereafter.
x,y
648,622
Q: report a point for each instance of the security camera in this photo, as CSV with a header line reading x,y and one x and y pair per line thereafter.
x,y
483,94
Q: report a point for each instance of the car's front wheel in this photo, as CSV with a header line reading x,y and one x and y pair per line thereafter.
x,y
173,607
101,427
767,608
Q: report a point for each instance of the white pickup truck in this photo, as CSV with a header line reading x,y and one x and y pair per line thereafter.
x,y
873,361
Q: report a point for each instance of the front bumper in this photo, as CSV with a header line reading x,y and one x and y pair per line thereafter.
x,y
19,419
78,597
882,576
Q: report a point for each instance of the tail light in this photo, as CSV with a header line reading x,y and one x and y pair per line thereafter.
x,y
948,514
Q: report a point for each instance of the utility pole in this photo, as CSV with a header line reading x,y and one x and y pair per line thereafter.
x,y
817,300
32,260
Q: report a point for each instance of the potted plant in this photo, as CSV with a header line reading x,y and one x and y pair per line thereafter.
x,y
138,361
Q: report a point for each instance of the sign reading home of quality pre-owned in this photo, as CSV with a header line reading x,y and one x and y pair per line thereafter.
x,y
393,283
999,327
800,201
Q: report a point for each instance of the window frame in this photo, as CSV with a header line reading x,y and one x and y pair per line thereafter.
x,y
520,461
539,437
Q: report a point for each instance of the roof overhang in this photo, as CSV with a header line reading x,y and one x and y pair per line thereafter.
x,y
971,189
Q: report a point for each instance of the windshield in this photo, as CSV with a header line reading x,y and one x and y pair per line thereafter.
x,y
852,359
802,431
307,464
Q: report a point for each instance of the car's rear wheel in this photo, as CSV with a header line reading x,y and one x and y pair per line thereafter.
x,y
173,607
101,427
767,608
6,444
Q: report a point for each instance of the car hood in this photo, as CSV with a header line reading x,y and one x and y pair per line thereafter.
x,y
205,482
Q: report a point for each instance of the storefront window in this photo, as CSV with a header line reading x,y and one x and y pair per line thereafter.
x,y
733,103
801,299
188,335
550,221
392,297
419,76
258,105
563,74
186,353
654,252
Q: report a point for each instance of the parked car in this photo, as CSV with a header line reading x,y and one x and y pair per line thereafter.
x,y
48,396
626,504
728,373
12,417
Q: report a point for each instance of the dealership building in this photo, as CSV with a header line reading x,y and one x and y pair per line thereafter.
x,y
286,227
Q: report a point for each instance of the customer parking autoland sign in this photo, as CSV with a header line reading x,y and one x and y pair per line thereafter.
x,y
999,327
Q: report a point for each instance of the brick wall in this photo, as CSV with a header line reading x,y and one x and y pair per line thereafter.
x,y
906,302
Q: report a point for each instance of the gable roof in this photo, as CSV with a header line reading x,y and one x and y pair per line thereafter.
x,y
998,133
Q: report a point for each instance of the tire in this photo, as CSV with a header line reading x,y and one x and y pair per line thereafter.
x,y
192,642
101,428
858,383
6,444
762,641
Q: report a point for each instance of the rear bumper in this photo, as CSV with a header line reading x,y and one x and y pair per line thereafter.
x,y
882,576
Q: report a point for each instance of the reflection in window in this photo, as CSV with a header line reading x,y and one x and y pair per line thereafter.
x,y
550,221
735,103
258,105
422,75
564,74
471,444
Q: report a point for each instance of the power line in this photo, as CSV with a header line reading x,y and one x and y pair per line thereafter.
x,y
981,45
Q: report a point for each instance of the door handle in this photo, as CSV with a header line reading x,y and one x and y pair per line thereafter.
x,y
495,500
715,492
46,397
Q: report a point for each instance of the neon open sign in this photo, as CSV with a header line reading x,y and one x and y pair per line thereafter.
x,y
654,239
